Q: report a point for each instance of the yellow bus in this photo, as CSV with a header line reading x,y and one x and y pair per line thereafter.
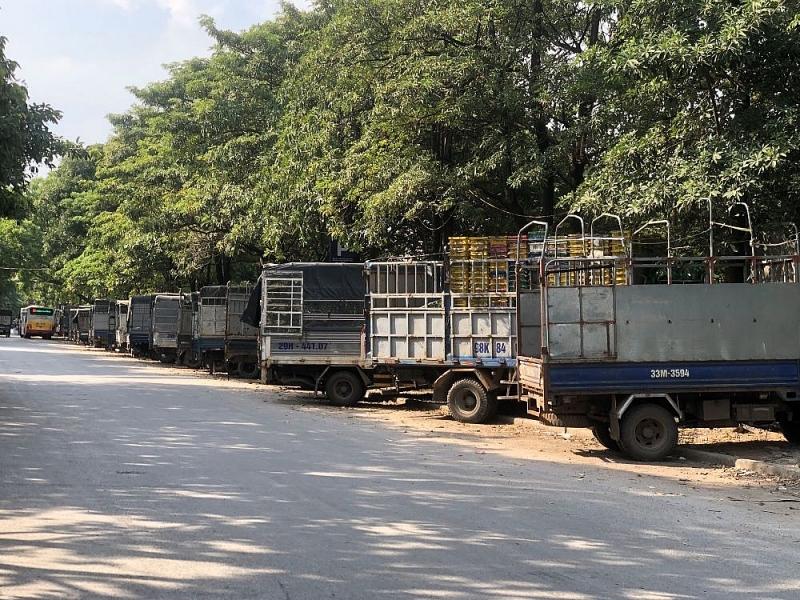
x,y
37,320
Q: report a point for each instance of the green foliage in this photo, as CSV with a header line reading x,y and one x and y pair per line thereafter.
x,y
700,104
408,122
392,125
25,139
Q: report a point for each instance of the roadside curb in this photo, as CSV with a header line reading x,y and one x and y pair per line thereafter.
x,y
745,464
712,458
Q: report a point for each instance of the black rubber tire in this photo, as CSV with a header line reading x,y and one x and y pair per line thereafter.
x,y
248,370
790,430
648,432
344,388
602,433
469,402
193,361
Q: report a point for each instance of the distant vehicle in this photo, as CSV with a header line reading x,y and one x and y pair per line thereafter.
x,y
140,336
165,321
100,324
5,322
37,320
120,343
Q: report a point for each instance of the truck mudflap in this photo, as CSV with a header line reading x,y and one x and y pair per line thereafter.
x,y
531,375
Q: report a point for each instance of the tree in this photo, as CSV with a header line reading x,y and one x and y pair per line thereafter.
x,y
25,139
700,105
409,122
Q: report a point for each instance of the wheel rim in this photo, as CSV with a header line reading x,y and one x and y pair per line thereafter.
x,y
467,402
343,389
650,433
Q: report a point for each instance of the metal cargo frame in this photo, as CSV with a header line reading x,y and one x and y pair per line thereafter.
x,y
100,333
700,335
165,317
241,339
140,324
407,317
300,328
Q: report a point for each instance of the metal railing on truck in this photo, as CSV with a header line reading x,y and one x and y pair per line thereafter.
x,y
311,319
632,346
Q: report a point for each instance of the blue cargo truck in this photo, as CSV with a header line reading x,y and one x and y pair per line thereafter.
x,y
626,348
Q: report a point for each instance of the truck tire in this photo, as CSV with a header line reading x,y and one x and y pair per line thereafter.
x,y
192,360
602,433
344,388
790,429
248,370
469,402
648,432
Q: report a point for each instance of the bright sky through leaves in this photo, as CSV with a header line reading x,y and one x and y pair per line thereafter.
x,y
79,56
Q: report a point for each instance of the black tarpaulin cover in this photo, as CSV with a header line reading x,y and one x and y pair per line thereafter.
x,y
321,281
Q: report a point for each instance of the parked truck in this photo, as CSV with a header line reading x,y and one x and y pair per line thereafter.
x,y
188,353
120,332
241,339
101,324
394,327
448,326
139,330
210,333
5,321
165,322
636,361
83,323
635,348
310,319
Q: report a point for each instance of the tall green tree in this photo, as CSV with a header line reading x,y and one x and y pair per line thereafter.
x,y
700,106
409,122
25,139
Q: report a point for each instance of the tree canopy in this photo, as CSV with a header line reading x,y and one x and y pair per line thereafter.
x,y
25,139
391,126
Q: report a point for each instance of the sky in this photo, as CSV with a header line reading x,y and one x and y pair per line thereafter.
x,y
79,56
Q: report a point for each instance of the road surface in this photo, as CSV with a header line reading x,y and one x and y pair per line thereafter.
x,y
122,479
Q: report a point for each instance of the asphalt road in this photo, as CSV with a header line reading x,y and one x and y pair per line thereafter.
x,y
119,479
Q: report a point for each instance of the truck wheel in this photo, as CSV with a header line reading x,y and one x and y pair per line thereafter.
x,y
469,402
648,432
790,430
192,360
344,388
602,434
248,370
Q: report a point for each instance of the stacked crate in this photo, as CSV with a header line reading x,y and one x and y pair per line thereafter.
x,y
459,264
610,246
585,272
482,269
